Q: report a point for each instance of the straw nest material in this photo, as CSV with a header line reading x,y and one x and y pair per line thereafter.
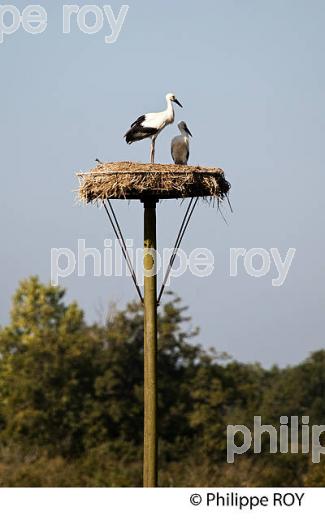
x,y
127,180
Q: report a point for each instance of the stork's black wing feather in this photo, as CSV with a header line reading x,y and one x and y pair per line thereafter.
x,y
139,121
137,132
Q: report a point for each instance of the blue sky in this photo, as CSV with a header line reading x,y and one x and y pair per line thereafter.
x,y
251,77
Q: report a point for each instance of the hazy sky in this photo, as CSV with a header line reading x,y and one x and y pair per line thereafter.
x,y
250,74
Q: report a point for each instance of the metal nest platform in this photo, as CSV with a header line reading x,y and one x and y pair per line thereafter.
x,y
129,180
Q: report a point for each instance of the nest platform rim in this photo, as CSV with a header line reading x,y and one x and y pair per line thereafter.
x,y
142,181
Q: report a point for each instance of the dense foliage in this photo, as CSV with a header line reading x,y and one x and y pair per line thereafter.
x,y
71,401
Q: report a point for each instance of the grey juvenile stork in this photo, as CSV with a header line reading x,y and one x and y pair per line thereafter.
x,y
180,146
150,125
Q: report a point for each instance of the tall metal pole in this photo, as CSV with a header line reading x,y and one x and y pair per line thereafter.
x,y
150,463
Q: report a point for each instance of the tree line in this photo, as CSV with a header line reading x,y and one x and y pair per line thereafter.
x,y
71,400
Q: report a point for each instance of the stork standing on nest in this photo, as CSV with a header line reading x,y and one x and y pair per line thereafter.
x,y
150,125
180,146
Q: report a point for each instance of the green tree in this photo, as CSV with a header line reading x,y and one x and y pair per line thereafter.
x,y
71,400
47,371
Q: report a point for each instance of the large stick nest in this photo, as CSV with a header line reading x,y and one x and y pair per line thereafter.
x,y
127,180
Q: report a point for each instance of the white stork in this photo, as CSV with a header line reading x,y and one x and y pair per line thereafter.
x,y
150,125
180,146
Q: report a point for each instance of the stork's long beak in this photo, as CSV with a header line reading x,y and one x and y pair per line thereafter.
x,y
187,130
178,103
